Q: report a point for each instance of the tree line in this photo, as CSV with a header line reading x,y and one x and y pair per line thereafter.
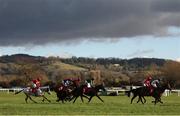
x,y
18,70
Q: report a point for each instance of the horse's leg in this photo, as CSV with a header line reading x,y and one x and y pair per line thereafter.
x,y
160,100
90,98
46,98
32,99
82,98
85,96
75,99
43,100
99,98
133,98
155,101
26,98
72,98
141,100
63,101
144,99
58,100
138,99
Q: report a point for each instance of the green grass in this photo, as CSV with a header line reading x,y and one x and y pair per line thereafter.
x,y
11,104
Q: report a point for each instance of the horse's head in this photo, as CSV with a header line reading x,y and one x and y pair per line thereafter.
x,y
46,89
168,86
100,87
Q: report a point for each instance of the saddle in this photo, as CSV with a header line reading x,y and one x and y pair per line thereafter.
x,y
86,90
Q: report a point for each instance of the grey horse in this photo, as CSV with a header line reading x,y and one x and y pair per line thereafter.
x,y
27,91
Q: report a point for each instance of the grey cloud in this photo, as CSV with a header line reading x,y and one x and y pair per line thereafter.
x,y
166,5
141,53
40,22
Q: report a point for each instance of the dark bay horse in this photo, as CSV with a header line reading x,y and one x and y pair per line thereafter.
x,y
27,91
63,93
79,91
144,91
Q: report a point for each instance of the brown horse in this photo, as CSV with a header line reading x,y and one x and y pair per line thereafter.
x,y
63,93
144,91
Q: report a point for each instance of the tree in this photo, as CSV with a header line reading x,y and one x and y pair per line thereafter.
x,y
171,71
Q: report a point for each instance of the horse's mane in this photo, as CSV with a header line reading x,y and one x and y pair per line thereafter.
x,y
163,87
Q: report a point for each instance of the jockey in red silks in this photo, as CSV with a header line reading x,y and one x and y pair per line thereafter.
x,y
36,86
147,83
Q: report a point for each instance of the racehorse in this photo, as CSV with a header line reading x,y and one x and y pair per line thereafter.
x,y
63,93
144,91
91,92
27,91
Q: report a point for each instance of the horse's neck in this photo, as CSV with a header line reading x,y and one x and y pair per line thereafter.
x,y
81,87
97,88
163,88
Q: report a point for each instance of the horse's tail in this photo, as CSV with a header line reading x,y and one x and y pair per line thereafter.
x,y
128,93
18,92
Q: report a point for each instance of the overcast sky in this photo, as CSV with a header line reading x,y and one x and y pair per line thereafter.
x,y
28,26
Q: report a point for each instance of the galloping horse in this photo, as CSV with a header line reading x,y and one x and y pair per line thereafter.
x,y
64,93
144,91
61,92
27,91
91,92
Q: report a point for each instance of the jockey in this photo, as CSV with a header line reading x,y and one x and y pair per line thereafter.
x,y
147,83
155,83
36,86
66,82
89,83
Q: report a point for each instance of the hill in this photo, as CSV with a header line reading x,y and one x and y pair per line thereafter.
x,y
19,69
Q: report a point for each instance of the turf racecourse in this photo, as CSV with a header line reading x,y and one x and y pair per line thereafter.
x,y
11,104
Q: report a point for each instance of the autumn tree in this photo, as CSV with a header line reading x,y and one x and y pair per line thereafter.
x,y
32,71
171,71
